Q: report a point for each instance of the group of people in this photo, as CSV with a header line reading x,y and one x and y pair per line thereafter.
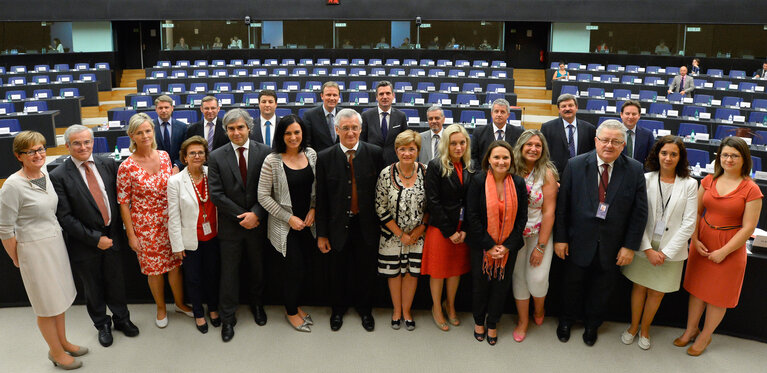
x,y
682,83
373,197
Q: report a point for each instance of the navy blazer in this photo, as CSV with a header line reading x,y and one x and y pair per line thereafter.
x,y
371,131
577,203
483,136
318,135
177,137
642,144
255,132
219,132
556,138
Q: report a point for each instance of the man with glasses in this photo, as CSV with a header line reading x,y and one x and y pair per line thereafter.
x,y
431,137
566,135
639,140
348,229
90,216
211,127
600,218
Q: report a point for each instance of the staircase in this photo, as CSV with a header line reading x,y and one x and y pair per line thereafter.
x,y
532,96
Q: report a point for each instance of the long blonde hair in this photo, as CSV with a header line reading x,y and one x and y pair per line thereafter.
x,y
543,163
444,149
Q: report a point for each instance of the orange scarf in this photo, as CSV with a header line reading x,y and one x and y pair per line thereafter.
x,y
500,221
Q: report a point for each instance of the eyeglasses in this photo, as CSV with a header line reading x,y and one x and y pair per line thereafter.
x,y
350,128
196,154
734,157
82,143
614,142
32,152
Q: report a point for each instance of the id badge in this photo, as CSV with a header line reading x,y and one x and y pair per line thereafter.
x,y
602,210
660,227
206,228
460,217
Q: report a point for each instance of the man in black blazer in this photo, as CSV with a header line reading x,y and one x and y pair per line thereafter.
x,y
263,126
211,127
600,218
557,133
761,73
94,231
639,140
242,220
373,120
319,121
484,135
164,126
348,229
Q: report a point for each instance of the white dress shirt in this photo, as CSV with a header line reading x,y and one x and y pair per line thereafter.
x,y
244,154
575,132
272,124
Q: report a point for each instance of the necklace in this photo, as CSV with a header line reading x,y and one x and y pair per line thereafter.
x,y
204,185
407,177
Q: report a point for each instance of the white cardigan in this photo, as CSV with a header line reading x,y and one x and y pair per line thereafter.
x,y
680,218
183,211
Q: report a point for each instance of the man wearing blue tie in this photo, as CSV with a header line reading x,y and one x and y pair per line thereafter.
x,y
169,133
263,125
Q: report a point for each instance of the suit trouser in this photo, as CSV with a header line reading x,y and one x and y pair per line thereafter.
x,y
489,296
587,289
104,286
352,272
231,257
201,275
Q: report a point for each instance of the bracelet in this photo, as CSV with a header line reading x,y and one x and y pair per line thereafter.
x,y
538,249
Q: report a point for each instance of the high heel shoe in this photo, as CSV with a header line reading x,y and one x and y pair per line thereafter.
x,y
455,321
308,319
75,364
304,327
441,325
492,340
679,342
693,352
480,337
80,352
519,337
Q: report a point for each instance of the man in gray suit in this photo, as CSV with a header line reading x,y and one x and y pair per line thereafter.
x,y
382,124
430,139
682,83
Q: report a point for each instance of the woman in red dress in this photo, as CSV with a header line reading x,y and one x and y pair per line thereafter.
x,y
142,180
729,203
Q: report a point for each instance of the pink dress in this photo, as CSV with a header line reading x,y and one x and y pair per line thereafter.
x,y
146,195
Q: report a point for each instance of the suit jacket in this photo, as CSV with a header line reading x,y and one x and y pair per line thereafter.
x,y
219,132
760,72
228,193
689,85
78,213
556,137
334,193
445,197
371,131
476,213
484,135
183,212
255,132
577,203
177,137
642,144
680,217
427,149
318,134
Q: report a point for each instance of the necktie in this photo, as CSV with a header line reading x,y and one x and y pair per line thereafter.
x,y
499,135
384,125
434,153
604,180
268,139
210,136
243,166
93,186
629,143
571,140
165,137
331,128
353,206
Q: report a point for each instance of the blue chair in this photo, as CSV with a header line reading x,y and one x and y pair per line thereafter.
x,y
444,63
280,72
673,70
61,67
704,99
596,105
313,85
305,61
607,78
39,105
433,73
354,97
409,62
436,97
88,77
182,73
471,87
738,74
687,128
652,125
714,72
480,63
721,84
288,62
569,89
358,85
151,88
302,111
41,79
392,61
341,84
175,98
397,72
700,83
11,124
454,73
468,115
260,72
306,97
320,71
411,113
189,115
377,71
645,95
596,92
494,87
476,74
602,119
246,86
100,145
268,85
725,113
747,86
756,163
15,95
621,93
177,87
697,157
610,68
693,111
283,112
102,65
123,142
122,115
583,77
291,85
323,61
760,138
723,131
41,94
573,65
632,68
159,74
417,72
146,100
17,80
497,64
69,92
403,86
462,63
203,63
652,69
448,113
42,68
357,62
283,98
731,101
358,71
592,66
271,62
653,80
448,87
659,108
757,117
490,97
628,79
465,98
159,64
7,107
338,71
250,98
198,87
675,97
424,86
18,69
199,73
341,61
409,97
239,72
194,98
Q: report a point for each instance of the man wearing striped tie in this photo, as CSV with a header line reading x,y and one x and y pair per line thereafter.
x,y
210,127
566,135
430,139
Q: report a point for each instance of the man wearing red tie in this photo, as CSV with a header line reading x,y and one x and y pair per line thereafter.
x,y
682,83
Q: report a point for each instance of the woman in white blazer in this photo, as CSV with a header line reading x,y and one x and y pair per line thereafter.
x,y
286,191
672,206
193,229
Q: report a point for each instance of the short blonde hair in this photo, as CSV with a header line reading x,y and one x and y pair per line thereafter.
x,y
135,121
408,137
27,139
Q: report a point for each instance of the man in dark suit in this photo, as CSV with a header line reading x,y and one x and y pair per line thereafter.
x,y
348,229
500,130
564,141
263,126
168,132
382,124
601,215
319,121
431,137
761,73
90,216
211,127
639,140
682,83
233,173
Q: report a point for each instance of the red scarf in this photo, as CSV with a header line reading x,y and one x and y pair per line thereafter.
x,y
500,221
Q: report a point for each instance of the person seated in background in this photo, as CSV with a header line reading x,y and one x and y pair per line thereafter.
x,y
347,44
695,69
662,48
761,73
561,73
382,44
406,44
56,46
217,44
452,44
602,48
235,43
181,45
485,46
434,43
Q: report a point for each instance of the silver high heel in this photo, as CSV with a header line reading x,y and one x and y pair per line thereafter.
x,y
82,351
301,328
308,319
71,366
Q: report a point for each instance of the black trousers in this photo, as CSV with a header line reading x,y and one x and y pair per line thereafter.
x,y
201,275
232,252
352,273
587,290
294,266
104,286
489,296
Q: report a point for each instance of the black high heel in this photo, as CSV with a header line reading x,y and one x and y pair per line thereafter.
x,y
480,337
492,340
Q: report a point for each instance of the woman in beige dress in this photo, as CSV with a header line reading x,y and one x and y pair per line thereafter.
x,y
32,237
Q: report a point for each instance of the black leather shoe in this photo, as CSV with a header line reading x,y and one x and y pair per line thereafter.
x,y
336,321
127,327
259,315
105,335
368,322
227,332
203,328
563,332
590,336
215,322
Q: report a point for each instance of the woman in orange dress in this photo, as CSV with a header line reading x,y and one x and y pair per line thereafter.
x,y
729,203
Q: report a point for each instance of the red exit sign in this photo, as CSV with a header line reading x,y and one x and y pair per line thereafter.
x,y
333,2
